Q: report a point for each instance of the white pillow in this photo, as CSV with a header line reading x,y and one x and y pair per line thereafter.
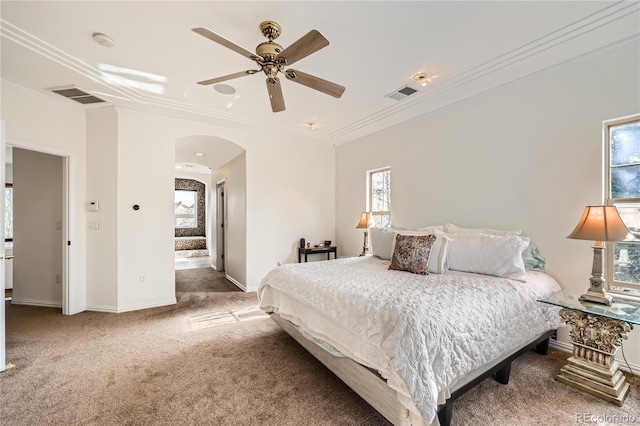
x,y
498,255
438,263
382,242
430,228
452,229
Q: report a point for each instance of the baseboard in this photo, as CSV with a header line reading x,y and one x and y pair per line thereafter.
x,y
129,308
236,282
102,308
148,305
568,347
33,302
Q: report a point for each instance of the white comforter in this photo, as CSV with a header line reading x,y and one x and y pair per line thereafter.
x,y
422,333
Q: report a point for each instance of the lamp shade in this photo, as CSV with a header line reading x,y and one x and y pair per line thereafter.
x,y
365,220
601,223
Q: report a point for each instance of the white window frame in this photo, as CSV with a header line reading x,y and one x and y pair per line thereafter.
x,y
619,288
370,197
188,216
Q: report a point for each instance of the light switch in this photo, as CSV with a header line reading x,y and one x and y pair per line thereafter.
x,y
93,206
94,225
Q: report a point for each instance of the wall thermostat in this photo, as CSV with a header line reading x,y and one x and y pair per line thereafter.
x,y
93,206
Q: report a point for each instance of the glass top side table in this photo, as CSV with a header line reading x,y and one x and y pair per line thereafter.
x,y
596,332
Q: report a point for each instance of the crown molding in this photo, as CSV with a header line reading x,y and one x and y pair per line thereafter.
x,y
579,28
133,98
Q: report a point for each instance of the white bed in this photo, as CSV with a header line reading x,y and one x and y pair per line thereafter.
x,y
425,334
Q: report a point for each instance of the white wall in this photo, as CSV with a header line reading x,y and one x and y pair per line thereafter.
x,y
38,240
8,174
102,243
42,123
290,183
130,263
526,156
287,197
234,174
146,242
290,194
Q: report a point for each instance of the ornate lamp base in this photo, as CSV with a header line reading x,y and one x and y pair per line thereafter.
x,y
593,368
365,246
597,297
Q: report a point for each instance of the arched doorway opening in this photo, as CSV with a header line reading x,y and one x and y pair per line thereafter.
x,y
220,165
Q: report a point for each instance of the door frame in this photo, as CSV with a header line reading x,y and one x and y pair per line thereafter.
x,y
67,196
68,305
3,318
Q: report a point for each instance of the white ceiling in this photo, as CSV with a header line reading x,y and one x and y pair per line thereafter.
x,y
376,48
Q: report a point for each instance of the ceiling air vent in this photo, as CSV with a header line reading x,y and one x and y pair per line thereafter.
x,y
401,93
77,95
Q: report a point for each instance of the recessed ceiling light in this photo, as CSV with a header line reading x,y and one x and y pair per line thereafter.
x,y
224,89
103,40
199,154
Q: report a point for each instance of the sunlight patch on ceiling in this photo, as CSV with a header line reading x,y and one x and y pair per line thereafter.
x,y
120,77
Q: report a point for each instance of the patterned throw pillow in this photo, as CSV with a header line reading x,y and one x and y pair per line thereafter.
x,y
411,253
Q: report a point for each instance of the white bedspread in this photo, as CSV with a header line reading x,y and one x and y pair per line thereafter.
x,y
422,333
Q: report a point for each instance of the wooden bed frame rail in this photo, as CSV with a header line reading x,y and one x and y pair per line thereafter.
x,y
373,388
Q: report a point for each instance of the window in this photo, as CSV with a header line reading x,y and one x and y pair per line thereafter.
x,y
186,209
8,212
622,185
379,196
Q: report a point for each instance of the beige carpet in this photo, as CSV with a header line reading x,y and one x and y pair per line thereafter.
x,y
214,359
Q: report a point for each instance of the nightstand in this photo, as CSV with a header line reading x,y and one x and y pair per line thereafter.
x,y
596,333
317,249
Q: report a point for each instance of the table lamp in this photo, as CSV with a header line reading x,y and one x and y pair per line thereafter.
x,y
365,223
599,224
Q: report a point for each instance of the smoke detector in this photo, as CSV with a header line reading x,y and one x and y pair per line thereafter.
x,y
103,40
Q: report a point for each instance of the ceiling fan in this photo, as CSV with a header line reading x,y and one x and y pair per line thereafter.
x,y
272,59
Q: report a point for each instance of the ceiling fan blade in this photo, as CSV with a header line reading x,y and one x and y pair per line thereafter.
x,y
275,94
303,47
228,77
205,32
314,82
